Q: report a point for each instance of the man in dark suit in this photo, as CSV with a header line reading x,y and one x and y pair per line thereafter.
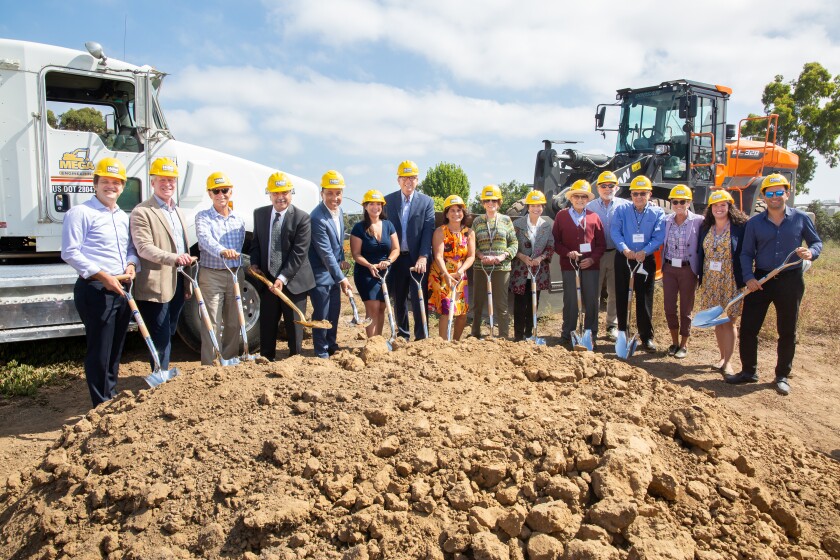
x,y
326,254
414,220
280,249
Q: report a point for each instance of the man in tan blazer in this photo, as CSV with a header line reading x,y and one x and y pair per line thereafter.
x,y
158,230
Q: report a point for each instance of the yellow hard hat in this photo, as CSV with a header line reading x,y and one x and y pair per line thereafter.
x,y
110,167
332,179
641,183
535,197
606,177
218,180
279,182
720,196
581,186
775,180
680,192
408,169
491,192
453,200
373,195
163,167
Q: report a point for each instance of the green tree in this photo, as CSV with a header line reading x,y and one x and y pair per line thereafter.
x,y
86,119
822,221
51,119
446,179
512,192
809,118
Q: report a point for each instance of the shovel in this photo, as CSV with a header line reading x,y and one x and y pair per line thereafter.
x,y
159,375
313,324
412,272
581,339
532,274
388,310
205,317
246,356
356,321
453,291
624,348
489,297
718,315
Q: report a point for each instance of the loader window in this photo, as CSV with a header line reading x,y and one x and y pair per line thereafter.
x,y
104,107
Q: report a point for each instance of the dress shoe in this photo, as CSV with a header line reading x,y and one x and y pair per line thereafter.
x,y
742,377
649,346
681,352
782,386
673,349
612,333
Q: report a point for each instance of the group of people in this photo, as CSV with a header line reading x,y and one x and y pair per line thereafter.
x,y
602,241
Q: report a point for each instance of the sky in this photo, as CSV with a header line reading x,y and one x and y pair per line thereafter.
x,y
360,85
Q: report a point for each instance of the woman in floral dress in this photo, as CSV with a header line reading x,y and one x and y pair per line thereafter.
x,y
721,238
453,248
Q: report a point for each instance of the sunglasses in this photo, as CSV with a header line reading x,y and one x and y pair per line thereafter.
x,y
220,191
607,186
771,194
679,202
639,193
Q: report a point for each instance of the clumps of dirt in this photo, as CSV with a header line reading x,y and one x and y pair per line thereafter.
x,y
477,449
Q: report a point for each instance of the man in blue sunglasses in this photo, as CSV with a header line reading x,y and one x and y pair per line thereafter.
x,y
769,238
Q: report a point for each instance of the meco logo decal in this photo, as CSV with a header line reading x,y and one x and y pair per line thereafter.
x,y
218,181
113,169
77,159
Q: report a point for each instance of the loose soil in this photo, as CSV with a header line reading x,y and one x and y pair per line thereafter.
x,y
477,449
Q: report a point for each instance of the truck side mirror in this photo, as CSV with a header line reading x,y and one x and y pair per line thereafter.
x,y
599,117
730,131
688,107
142,102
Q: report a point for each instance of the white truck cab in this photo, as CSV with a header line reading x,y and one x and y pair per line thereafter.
x,y
46,168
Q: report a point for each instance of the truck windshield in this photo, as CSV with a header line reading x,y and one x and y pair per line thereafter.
x,y
649,118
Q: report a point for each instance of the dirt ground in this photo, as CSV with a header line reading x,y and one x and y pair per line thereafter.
x,y
484,449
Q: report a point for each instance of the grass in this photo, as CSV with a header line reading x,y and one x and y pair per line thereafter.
x,y
26,366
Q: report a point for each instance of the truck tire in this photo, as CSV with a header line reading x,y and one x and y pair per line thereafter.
x,y
190,325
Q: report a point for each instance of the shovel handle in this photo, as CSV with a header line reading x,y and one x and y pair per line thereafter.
x,y
137,318
238,296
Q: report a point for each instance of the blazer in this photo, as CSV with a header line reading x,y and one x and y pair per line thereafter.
x,y
568,237
695,221
736,239
295,239
152,235
327,248
420,225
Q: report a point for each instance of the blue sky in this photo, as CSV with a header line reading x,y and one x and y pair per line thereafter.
x,y
359,85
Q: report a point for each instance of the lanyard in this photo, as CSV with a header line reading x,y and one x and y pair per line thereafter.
x,y
640,219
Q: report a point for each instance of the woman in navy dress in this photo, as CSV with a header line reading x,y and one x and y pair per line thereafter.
x,y
374,246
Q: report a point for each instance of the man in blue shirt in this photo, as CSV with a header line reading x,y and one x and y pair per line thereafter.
x,y
96,242
221,234
637,230
768,239
605,206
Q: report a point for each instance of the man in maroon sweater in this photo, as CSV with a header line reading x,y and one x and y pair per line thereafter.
x,y
579,240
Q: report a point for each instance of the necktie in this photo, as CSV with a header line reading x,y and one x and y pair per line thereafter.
x,y
275,258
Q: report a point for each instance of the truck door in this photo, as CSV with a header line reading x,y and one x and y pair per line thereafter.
x,y
89,116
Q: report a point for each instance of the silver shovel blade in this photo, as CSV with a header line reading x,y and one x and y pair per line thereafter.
x,y
230,362
708,317
631,347
621,345
586,339
156,378
537,340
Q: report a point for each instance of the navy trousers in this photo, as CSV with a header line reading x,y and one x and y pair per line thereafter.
x,y
162,320
326,304
403,289
271,308
105,316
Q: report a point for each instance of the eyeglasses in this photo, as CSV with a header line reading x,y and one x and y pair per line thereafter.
x,y
607,186
220,191
639,193
679,202
771,194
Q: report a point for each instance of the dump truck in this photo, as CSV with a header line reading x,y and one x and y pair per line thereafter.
x,y
46,168
674,132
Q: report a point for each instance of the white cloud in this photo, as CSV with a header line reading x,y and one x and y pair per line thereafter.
x,y
215,126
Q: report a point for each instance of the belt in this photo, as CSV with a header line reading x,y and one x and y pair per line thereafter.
x,y
608,250
404,252
682,264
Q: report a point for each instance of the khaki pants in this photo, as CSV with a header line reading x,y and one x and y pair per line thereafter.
x,y
606,273
217,289
499,280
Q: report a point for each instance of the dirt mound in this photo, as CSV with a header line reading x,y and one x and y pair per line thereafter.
x,y
478,449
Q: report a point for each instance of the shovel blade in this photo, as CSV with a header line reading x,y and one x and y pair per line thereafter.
x,y
577,340
586,339
631,347
621,345
160,376
537,340
709,318
230,362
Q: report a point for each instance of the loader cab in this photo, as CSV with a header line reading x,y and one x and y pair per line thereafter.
x,y
681,124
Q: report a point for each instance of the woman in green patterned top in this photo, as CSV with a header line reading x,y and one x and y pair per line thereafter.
x,y
495,248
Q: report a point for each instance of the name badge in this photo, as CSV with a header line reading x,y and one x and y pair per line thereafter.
x,y
586,247
638,238
676,262
717,266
